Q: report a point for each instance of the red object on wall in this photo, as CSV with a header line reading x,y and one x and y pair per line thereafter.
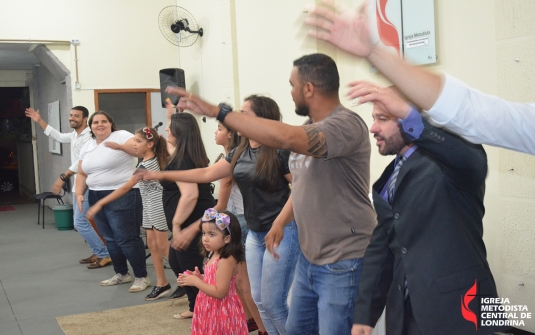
x,y
387,31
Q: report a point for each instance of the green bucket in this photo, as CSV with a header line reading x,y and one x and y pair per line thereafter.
x,y
64,216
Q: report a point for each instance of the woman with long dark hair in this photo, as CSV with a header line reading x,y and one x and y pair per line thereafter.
x,y
263,176
185,202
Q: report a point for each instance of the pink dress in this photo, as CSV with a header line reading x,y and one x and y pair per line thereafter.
x,y
218,316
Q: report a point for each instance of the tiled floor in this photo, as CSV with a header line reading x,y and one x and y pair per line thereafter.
x,y
40,277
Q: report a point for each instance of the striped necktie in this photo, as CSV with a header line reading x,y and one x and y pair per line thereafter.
x,y
394,177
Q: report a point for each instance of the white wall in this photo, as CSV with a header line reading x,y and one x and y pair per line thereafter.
x,y
515,196
120,42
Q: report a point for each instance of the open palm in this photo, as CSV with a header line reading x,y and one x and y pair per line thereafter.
x,y
343,27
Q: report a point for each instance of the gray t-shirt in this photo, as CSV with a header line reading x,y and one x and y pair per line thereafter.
x,y
262,204
331,205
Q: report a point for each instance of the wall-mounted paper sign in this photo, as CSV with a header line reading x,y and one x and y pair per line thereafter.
x,y
406,27
53,120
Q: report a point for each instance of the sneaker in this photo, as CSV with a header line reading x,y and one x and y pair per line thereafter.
x,y
158,292
116,280
251,325
179,293
140,284
100,263
89,260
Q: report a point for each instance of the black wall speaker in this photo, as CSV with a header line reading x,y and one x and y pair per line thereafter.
x,y
173,78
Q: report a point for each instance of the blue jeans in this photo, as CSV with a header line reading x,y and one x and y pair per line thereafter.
x,y
323,297
119,222
86,229
271,278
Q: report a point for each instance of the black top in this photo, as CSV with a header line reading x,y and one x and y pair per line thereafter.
x,y
171,194
261,205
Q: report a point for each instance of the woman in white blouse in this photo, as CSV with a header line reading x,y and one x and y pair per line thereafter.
x,y
103,169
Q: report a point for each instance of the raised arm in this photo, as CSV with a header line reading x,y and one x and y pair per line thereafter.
x,y
36,117
462,161
49,131
306,140
126,147
349,30
208,174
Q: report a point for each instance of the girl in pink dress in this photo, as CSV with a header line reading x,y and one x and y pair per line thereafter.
x,y
218,310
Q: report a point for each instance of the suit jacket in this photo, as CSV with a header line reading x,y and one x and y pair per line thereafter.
x,y
432,235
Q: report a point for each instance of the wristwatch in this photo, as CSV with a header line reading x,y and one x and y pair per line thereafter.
x,y
224,109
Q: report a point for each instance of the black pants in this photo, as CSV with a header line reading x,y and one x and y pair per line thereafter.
x,y
188,259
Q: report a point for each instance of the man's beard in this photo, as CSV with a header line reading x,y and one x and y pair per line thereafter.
x,y
392,145
302,110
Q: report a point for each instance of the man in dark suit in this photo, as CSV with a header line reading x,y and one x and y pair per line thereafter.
x,y
427,250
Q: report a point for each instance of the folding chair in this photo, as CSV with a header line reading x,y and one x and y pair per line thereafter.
x,y
40,199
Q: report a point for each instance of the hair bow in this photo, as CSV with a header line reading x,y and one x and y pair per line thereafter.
x,y
148,133
222,220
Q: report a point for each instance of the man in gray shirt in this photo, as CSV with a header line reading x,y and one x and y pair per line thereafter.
x,y
330,170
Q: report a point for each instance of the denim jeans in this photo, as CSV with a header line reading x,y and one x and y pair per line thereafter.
x,y
119,223
323,297
271,278
85,228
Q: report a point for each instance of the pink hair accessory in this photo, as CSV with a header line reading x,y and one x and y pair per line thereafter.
x,y
222,220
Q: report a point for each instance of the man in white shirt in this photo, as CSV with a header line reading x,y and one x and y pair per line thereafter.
x,y
77,138
448,102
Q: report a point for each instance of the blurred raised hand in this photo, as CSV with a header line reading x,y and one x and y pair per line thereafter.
x,y
193,103
392,102
342,26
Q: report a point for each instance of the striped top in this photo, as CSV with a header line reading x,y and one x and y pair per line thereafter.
x,y
151,196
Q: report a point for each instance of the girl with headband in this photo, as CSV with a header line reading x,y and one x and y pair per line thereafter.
x,y
218,309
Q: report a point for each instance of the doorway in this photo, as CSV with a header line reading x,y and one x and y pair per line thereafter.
x,y
15,146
